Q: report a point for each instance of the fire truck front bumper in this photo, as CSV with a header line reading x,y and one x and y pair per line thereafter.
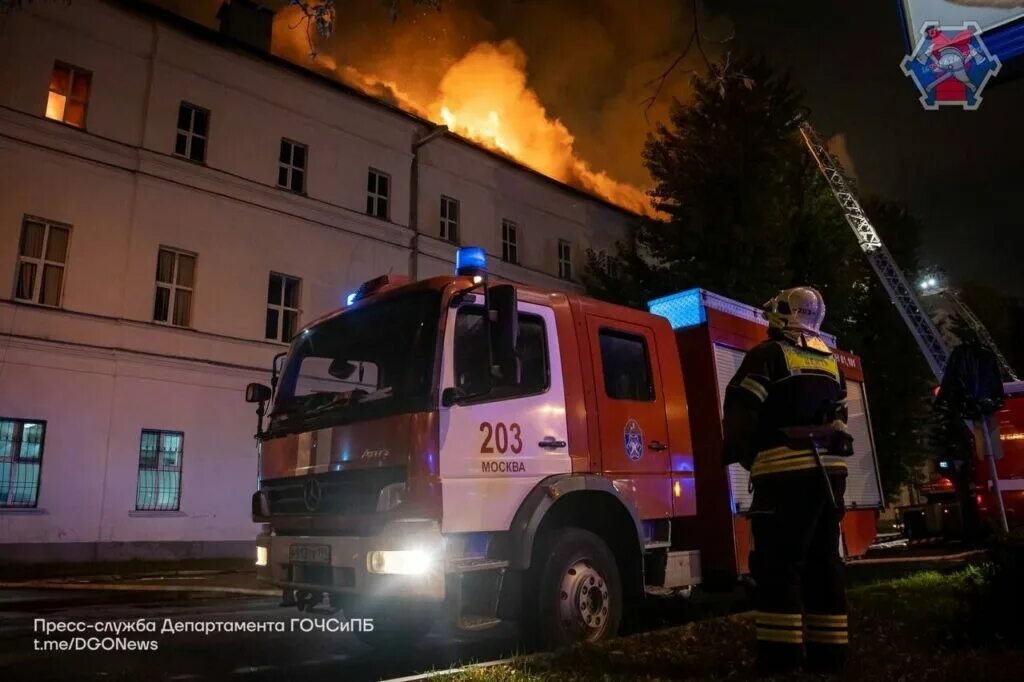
x,y
405,561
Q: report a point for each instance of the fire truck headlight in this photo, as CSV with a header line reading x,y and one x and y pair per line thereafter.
x,y
400,562
262,555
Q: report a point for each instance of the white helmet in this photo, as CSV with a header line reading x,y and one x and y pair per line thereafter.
x,y
800,309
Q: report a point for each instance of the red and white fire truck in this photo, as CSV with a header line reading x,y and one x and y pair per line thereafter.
x,y
495,452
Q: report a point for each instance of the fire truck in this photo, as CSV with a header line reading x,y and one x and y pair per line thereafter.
x,y
470,448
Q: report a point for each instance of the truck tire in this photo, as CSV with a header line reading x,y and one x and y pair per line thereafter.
x,y
573,591
393,628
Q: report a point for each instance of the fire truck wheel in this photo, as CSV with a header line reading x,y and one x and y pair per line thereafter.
x,y
574,593
396,629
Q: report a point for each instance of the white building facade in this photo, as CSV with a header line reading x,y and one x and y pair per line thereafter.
x,y
173,206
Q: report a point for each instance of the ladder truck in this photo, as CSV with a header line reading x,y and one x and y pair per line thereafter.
x,y
998,488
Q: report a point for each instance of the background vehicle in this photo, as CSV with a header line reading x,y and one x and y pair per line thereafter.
x,y
500,452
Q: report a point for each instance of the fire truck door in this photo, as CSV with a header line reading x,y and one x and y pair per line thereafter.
x,y
631,413
496,445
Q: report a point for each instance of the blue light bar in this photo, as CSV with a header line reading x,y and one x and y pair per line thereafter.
x,y
685,309
351,298
470,260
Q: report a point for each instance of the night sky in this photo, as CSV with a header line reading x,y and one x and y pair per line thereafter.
x,y
960,172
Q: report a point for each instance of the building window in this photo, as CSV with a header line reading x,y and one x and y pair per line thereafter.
x,y
626,366
193,128
69,94
564,259
291,169
175,282
41,257
509,242
282,307
378,189
159,487
449,219
21,458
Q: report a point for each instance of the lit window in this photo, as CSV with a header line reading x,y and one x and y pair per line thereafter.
x,y
193,128
69,94
449,219
21,458
509,242
41,257
159,486
282,307
291,168
378,190
175,282
564,259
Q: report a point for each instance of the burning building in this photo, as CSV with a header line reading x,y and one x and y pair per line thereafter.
x,y
175,203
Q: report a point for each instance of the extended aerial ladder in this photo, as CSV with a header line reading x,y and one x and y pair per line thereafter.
x,y
927,335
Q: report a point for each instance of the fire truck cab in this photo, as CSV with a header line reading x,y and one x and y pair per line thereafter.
x,y
483,450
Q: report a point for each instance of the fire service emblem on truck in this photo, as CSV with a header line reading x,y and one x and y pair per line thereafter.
x,y
950,65
633,438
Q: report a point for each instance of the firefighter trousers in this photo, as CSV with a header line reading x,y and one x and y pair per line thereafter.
x,y
800,594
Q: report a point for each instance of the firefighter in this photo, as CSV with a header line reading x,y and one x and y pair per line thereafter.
x,y
788,391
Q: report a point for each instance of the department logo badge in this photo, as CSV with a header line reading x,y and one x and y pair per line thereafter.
x,y
633,439
950,65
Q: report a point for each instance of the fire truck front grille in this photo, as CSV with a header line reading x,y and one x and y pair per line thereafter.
x,y
339,492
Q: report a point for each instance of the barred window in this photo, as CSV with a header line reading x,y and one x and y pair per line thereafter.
x,y
509,242
378,192
282,307
159,487
69,94
449,219
193,129
175,283
42,254
21,459
291,166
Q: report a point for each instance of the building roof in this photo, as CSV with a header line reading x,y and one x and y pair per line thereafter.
x,y
216,37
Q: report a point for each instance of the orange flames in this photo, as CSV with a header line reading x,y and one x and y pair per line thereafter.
x,y
485,96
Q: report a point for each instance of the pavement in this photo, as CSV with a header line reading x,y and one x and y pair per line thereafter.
x,y
215,622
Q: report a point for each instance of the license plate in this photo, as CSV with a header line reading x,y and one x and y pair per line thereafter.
x,y
310,554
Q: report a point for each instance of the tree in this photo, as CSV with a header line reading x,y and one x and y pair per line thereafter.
x,y
748,214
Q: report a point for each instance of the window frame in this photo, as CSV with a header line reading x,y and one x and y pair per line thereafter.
x,y
159,468
622,333
290,166
508,246
191,135
11,461
506,393
375,197
41,262
68,97
281,308
450,226
565,260
174,287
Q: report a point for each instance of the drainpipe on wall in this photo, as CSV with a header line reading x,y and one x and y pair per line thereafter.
x,y
414,196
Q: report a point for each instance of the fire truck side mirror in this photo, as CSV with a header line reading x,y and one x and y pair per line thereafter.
x,y
503,307
257,393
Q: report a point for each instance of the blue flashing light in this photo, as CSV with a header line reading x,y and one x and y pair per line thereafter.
x,y
684,309
351,298
943,464
470,260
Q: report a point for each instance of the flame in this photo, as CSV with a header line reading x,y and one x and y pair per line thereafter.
x,y
484,96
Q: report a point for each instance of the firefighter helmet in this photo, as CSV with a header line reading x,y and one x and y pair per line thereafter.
x,y
800,309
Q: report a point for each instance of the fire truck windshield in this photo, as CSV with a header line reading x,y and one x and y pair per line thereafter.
x,y
362,364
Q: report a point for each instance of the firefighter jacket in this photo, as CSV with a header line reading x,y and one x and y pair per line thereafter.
x,y
782,383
